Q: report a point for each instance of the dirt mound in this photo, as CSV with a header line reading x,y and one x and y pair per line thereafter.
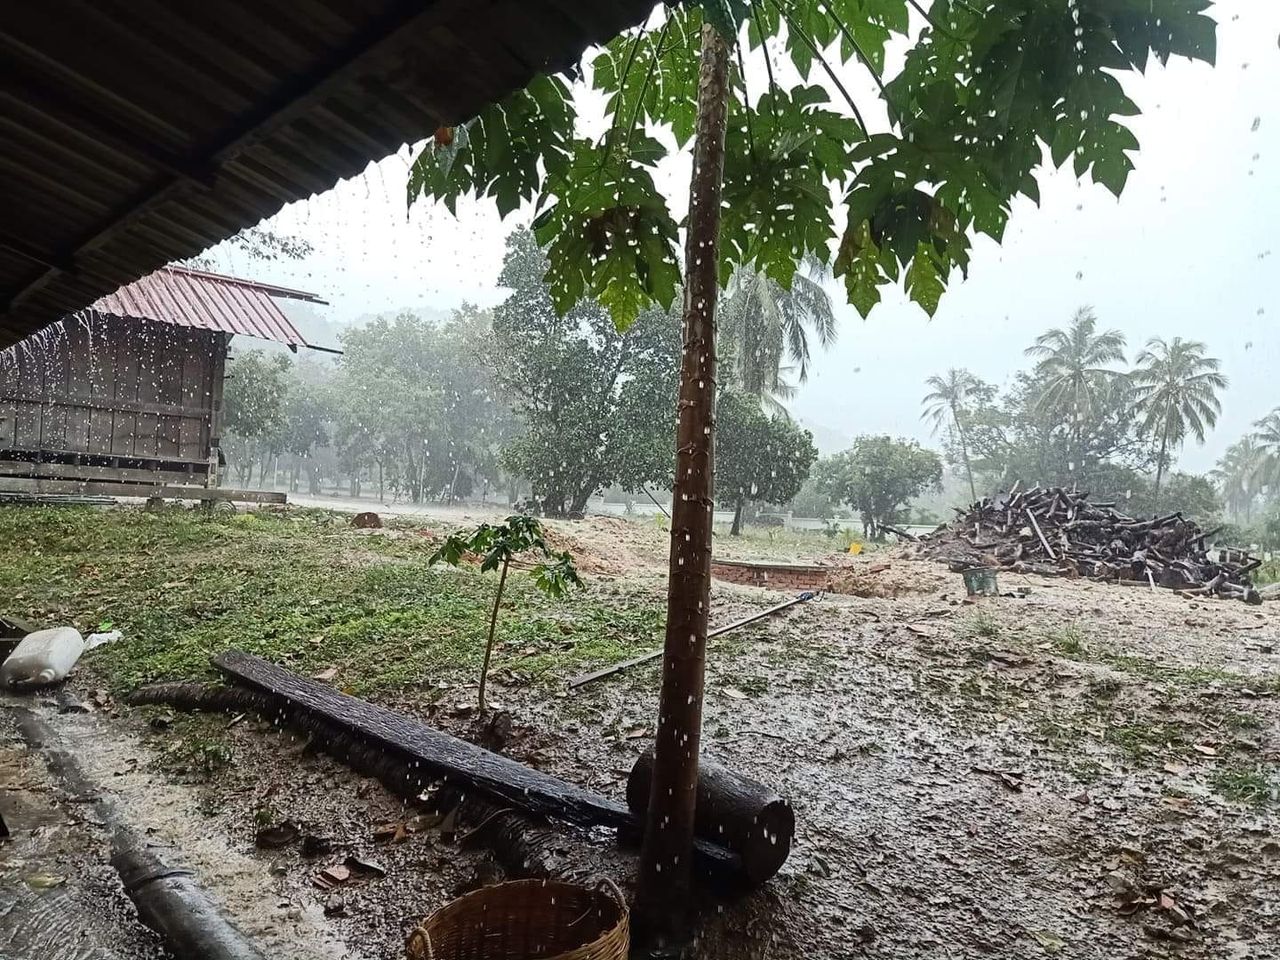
x,y
885,578
609,546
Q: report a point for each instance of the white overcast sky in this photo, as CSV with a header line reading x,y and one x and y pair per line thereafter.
x,y
1192,249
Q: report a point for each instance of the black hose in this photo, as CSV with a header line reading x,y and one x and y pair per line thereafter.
x,y
171,903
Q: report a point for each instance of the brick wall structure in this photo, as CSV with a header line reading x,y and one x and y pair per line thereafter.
x,y
785,577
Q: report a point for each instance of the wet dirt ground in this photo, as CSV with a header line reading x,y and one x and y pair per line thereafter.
x,y
1077,770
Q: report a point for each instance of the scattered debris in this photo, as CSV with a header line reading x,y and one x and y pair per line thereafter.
x,y
1010,778
365,868
332,876
314,846
277,836
45,881
711,634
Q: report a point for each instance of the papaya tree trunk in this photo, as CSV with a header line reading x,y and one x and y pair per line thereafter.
x,y
493,626
736,529
662,896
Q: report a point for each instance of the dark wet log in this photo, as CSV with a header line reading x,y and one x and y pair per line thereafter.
x,y
403,773
731,810
439,754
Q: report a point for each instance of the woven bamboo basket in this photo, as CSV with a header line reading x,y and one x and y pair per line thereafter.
x,y
527,920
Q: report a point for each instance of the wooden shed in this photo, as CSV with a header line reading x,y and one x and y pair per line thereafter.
x,y
124,398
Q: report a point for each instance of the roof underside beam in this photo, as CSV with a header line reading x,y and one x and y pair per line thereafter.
x,y
289,102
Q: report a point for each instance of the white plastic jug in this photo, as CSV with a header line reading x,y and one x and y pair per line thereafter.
x,y
43,657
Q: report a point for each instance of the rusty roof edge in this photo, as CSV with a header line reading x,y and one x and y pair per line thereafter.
x,y
272,289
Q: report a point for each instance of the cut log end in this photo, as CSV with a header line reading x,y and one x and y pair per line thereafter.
x,y
733,811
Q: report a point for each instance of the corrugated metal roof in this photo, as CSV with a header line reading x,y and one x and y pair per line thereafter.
x,y
135,133
208,301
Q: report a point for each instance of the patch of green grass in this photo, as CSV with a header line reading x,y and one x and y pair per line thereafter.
x,y
1244,784
981,624
300,588
198,746
1069,641
1241,721
1105,689
1086,770
753,684
1141,741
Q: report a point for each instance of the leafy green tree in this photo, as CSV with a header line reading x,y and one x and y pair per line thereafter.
x,y
1194,495
253,406
595,403
1012,438
812,501
766,329
878,477
554,574
759,458
979,94
1073,378
304,427
389,381
946,405
1175,389
1239,474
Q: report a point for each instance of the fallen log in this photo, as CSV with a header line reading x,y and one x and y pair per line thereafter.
x,y
403,773
406,755
732,811
438,754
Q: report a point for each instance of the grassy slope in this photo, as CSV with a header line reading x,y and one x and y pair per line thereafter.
x,y
300,587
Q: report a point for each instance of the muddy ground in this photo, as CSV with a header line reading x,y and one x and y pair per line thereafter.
x,y
1072,769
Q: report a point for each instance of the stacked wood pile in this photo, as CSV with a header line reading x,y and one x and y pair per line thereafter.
x,y
1058,532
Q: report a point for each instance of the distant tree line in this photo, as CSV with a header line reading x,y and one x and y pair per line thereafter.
x,y
546,409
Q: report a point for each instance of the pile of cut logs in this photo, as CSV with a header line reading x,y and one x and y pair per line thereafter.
x,y
1058,532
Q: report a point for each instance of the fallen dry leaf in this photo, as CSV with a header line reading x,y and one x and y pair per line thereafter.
x,y
325,675
1205,749
331,876
1051,942
734,693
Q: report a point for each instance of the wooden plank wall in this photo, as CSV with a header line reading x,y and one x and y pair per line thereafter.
x,y
115,388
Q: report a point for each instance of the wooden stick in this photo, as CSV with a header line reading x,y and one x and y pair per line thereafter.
x,y
1039,533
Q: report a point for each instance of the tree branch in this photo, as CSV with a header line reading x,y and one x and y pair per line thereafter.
x,y
934,23
644,87
746,101
768,63
857,48
622,82
817,55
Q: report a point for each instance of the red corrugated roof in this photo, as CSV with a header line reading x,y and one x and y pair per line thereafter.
x,y
208,301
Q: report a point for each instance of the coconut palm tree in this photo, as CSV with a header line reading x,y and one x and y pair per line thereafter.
x,y
1240,474
1267,437
767,329
946,400
1072,371
1175,389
